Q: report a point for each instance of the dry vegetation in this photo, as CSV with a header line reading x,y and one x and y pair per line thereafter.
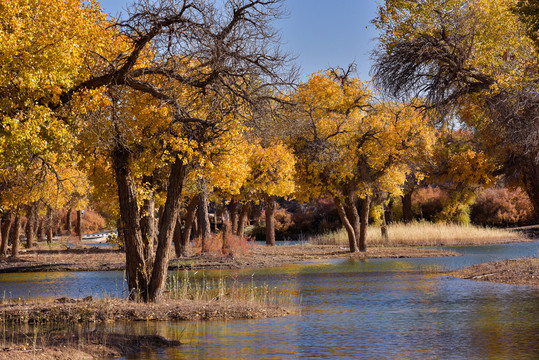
x,y
514,271
427,234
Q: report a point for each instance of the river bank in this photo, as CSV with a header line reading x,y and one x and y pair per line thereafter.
x,y
87,258
515,271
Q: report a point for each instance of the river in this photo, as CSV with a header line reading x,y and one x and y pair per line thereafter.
x,y
375,309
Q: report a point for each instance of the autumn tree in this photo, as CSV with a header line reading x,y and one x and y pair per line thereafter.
x,y
202,64
352,147
469,54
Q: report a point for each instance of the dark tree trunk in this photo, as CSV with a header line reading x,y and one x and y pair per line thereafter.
x,y
7,220
388,212
147,227
185,236
269,207
49,225
233,208
362,240
68,221
244,214
78,226
137,270
383,226
166,230
31,225
15,235
203,215
531,180
407,213
177,239
347,226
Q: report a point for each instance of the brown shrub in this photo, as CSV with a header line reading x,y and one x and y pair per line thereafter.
x,y
427,202
225,244
501,206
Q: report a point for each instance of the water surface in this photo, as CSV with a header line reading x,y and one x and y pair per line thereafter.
x,y
374,309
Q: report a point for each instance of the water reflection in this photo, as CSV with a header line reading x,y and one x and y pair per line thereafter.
x,y
372,309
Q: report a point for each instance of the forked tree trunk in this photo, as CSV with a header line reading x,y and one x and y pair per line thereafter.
x,y
407,213
269,207
347,226
244,214
185,236
166,230
353,216
137,270
147,227
7,221
365,206
15,235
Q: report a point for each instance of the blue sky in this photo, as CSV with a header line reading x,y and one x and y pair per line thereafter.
x,y
320,33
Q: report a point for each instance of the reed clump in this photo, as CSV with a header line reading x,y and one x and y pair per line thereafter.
x,y
426,234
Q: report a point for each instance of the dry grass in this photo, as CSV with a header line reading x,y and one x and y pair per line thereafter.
x,y
514,271
426,234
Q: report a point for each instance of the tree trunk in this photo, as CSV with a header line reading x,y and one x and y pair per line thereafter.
x,y
269,208
166,230
353,216
243,219
137,270
216,215
147,227
190,216
365,206
347,226
233,208
68,221
407,213
78,225
203,215
531,180
383,226
177,239
388,211
31,227
49,225
7,220
15,235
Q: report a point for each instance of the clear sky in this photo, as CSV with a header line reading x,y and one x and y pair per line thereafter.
x,y
321,33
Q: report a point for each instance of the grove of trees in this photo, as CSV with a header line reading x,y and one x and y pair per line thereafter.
x,y
183,103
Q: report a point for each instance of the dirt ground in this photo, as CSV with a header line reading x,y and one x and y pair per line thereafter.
x,y
515,271
257,256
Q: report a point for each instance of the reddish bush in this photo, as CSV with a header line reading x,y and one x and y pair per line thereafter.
x,y
501,206
233,245
427,202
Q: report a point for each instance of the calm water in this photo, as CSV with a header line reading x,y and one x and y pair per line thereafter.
x,y
376,309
